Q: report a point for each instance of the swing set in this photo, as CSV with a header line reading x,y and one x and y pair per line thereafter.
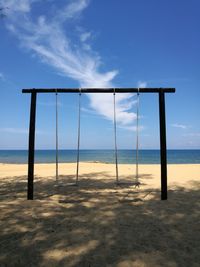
x,y
162,120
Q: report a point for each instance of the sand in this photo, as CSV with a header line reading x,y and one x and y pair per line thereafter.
x,y
98,223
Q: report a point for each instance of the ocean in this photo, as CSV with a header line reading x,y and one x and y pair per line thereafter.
x,y
106,156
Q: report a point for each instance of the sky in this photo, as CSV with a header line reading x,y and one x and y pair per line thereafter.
x,y
100,43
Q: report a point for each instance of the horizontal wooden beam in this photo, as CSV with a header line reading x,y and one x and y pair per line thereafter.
x,y
99,90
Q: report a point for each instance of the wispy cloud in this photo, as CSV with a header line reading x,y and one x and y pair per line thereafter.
x,y
2,77
87,112
49,104
48,38
11,130
132,128
14,130
13,6
192,134
85,36
142,84
181,126
72,10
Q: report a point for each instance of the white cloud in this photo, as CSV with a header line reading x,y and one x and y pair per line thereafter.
x,y
177,125
192,134
103,104
89,111
14,130
142,84
2,77
50,104
86,47
13,6
86,112
132,128
49,39
11,130
85,36
72,10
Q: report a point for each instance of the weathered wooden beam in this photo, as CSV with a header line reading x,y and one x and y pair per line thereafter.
x,y
99,90
163,146
31,151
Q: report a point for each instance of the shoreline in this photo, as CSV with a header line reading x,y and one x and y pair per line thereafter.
x,y
100,162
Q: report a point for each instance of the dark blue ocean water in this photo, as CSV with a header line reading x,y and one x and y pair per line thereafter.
x,y
124,156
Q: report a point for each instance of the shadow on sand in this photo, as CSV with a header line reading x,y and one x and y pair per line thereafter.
x,y
92,225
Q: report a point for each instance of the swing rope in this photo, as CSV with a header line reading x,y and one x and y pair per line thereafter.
x,y
115,135
137,140
56,135
79,132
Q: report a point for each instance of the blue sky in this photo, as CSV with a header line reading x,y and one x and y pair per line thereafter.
x,y
82,43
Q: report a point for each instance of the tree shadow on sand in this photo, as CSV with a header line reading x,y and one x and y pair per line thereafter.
x,y
91,225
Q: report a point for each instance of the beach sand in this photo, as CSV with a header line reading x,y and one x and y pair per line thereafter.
x,y
99,223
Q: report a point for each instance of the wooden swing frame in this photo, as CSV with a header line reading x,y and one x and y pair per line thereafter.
x,y
162,121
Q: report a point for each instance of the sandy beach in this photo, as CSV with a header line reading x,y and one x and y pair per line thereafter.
x,y
98,223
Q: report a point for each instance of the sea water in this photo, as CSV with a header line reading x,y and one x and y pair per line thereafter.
x,y
106,156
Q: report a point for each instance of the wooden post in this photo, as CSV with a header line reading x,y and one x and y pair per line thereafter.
x,y
163,146
31,151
